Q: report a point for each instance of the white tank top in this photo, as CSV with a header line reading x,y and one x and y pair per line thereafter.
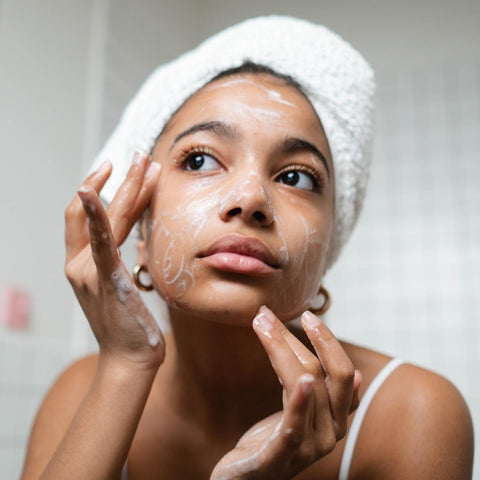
x,y
360,415
357,419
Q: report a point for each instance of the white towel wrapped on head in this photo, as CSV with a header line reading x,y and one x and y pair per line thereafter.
x,y
337,80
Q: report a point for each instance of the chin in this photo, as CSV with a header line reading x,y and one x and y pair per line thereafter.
x,y
231,303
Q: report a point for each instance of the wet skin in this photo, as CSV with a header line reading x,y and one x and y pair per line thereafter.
x,y
239,164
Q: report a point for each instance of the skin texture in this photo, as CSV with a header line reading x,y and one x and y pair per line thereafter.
x,y
230,392
296,224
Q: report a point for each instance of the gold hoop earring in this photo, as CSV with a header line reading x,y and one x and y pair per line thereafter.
x,y
326,303
137,270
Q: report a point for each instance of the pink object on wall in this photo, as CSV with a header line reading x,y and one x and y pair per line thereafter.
x,y
15,307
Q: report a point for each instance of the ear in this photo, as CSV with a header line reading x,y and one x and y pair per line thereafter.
x,y
142,255
142,250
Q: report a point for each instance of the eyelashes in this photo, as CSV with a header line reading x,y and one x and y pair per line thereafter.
x,y
191,150
202,159
296,175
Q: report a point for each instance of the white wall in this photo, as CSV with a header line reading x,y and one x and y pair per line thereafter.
x,y
43,60
141,36
43,72
394,36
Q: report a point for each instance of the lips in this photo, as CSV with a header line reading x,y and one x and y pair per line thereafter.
x,y
240,254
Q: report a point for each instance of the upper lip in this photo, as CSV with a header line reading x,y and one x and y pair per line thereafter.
x,y
243,245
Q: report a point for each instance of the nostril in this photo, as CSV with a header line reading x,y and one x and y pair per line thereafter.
x,y
234,211
259,216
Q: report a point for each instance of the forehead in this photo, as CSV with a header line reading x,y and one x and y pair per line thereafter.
x,y
250,97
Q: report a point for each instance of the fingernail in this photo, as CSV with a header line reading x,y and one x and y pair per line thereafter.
x,y
82,189
88,207
311,320
103,167
306,383
138,155
264,319
154,168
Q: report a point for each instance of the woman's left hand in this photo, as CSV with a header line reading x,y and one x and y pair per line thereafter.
x,y
319,392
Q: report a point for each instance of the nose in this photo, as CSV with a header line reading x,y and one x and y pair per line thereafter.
x,y
248,201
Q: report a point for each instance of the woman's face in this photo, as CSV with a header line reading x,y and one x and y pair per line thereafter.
x,y
243,212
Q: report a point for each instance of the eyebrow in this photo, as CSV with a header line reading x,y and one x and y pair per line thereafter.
x,y
224,130
292,145
219,128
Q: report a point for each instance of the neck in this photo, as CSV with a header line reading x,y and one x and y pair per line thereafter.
x,y
219,374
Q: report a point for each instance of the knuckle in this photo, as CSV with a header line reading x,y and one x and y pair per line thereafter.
x,y
340,429
80,279
308,453
70,272
328,441
292,438
315,368
71,212
346,374
355,403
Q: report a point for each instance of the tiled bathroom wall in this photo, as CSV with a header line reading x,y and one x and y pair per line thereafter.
x,y
408,282
27,369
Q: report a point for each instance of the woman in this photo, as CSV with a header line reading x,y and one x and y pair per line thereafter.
x,y
259,144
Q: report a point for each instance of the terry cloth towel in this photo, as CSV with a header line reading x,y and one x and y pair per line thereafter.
x,y
338,81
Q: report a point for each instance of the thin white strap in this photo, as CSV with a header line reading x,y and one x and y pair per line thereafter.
x,y
124,472
360,414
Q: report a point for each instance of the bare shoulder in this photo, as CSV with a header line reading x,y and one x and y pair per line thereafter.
x,y
417,426
56,412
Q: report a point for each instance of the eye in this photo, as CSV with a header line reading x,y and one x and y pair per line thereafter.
x,y
299,179
200,162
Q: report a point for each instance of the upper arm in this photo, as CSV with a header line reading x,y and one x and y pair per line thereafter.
x,y
418,426
56,413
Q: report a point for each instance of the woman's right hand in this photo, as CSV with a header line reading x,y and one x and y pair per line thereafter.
x,y
122,324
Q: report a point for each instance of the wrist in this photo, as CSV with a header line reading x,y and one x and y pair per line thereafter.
x,y
123,368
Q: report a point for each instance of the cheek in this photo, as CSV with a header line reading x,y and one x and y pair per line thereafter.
x,y
306,240
176,222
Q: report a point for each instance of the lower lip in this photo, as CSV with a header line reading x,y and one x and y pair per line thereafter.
x,y
236,263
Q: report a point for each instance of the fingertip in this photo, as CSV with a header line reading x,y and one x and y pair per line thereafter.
x,y
104,167
155,165
263,320
310,320
265,309
83,192
154,169
140,156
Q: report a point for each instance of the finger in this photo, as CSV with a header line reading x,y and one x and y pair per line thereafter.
x,y
339,369
308,359
283,359
76,230
148,187
104,249
121,207
297,420
298,423
312,364
124,227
